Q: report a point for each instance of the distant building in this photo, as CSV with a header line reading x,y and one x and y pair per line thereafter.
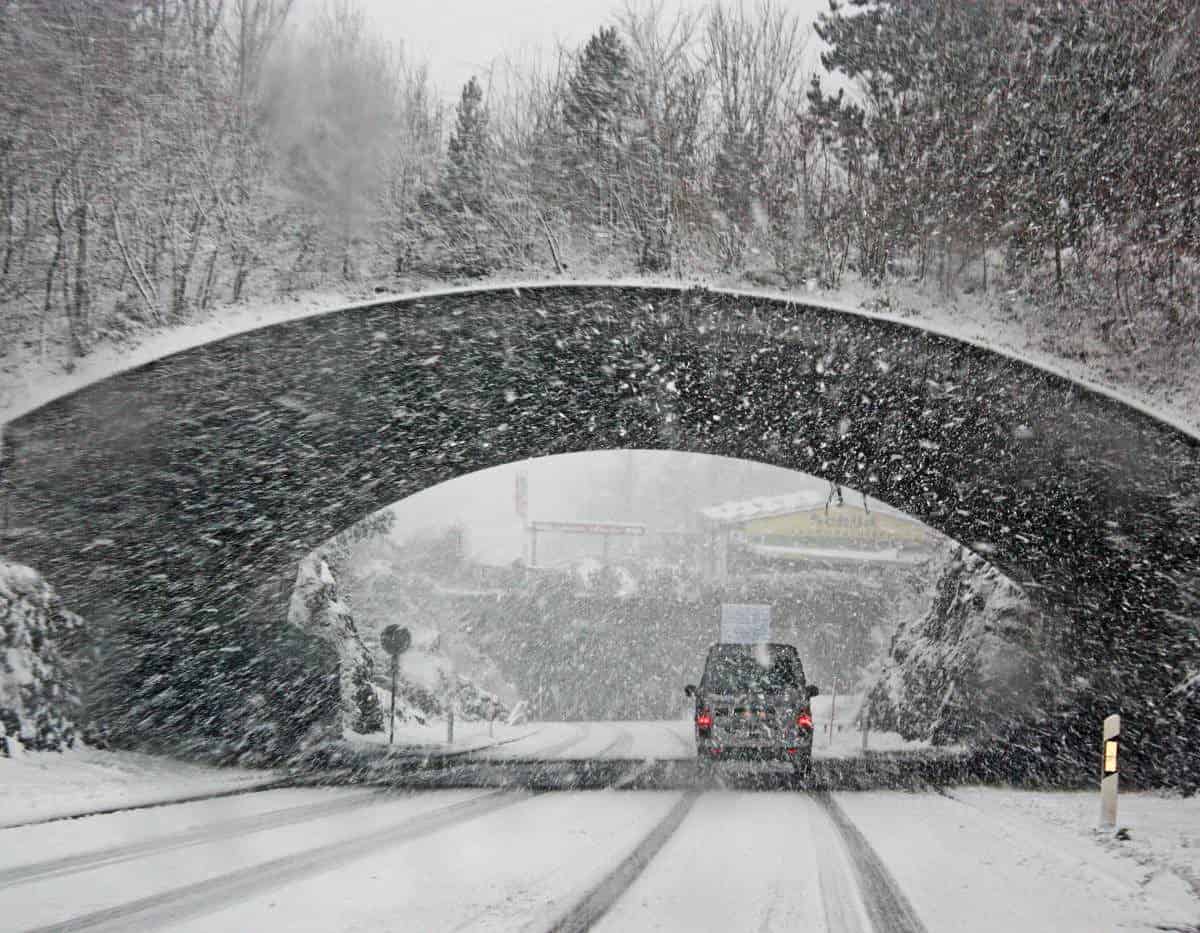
x,y
808,527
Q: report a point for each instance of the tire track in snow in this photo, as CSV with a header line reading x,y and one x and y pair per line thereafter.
x,y
228,829
170,907
888,910
689,746
600,898
542,754
444,754
620,747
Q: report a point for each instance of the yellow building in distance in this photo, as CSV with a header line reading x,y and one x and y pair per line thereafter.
x,y
810,526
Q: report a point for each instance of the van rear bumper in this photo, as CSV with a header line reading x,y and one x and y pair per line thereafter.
x,y
800,748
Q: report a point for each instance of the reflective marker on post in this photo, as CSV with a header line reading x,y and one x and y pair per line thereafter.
x,y
1109,772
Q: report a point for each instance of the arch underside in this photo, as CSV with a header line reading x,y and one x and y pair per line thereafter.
x,y
192,486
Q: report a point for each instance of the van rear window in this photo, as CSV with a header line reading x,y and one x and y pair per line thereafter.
x,y
761,669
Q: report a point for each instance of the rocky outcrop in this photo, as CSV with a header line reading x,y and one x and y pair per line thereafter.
x,y
39,700
971,663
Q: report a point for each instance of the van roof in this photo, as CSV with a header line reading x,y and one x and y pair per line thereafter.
x,y
744,644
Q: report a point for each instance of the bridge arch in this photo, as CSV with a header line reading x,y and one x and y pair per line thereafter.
x,y
189,488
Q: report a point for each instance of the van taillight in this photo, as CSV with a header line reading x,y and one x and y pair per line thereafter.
x,y
804,720
704,720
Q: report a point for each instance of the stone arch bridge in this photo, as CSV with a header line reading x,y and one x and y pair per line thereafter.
x,y
170,504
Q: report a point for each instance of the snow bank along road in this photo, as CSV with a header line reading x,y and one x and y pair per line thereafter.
x,y
367,859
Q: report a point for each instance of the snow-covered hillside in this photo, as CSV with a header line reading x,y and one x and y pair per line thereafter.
x,y
422,586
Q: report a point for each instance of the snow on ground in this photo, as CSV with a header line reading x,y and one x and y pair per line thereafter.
x,y
1026,335
545,740
1162,830
997,867
983,859
51,901
44,785
846,740
519,868
553,740
754,871
661,740
431,737
26,382
25,845
649,739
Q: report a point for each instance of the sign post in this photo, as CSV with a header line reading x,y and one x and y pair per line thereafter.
x,y
394,640
1109,772
521,495
833,709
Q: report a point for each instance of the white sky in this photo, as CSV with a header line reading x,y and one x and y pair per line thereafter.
x,y
484,502
458,38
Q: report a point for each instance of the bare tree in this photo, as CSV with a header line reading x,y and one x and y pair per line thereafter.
x,y
662,180
754,59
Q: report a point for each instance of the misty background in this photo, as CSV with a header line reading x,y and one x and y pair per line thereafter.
x,y
664,490
607,627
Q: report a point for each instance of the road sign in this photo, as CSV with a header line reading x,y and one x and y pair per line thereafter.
x,y
745,623
592,528
395,639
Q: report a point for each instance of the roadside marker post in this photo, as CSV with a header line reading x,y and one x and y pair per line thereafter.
x,y
832,709
395,641
1109,771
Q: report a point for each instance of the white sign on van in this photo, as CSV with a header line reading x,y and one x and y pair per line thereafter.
x,y
745,623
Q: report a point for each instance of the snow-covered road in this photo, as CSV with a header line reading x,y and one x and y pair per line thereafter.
x,y
664,740
569,741
703,859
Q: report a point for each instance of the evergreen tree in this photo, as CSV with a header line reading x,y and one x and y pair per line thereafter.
x,y
473,244
597,97
596,111
468,153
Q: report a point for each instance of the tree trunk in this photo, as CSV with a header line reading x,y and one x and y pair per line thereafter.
x,y
10,210
49,294
210,275
240,273
136,271
80,312
553,246
1058,273
184,271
